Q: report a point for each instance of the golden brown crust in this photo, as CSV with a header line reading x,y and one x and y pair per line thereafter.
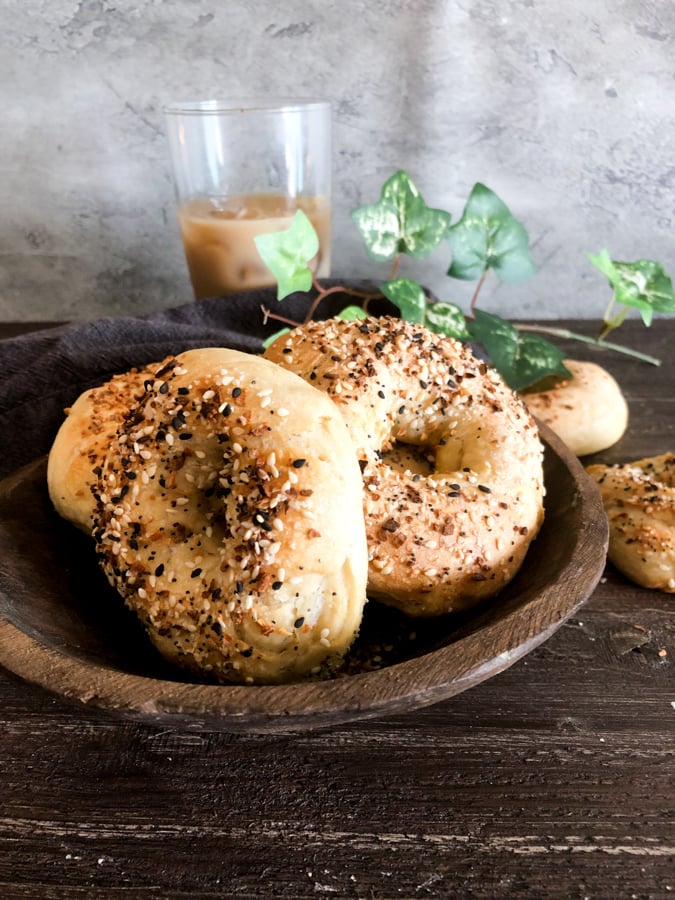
x,y
639,499
229,518
588,412
443,541
90,424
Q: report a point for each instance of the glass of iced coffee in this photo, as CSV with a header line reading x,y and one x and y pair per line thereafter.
x,y
241,169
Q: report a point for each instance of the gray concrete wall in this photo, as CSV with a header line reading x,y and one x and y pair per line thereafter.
x,y
564,107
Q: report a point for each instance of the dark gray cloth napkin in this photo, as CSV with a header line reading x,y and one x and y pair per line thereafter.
x,y
45,371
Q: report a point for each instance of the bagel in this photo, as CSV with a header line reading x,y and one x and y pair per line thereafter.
x,y
639,499
90,424
588,412
228,515
443,540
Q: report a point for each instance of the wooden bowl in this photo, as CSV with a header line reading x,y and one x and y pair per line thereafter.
x,y
64,628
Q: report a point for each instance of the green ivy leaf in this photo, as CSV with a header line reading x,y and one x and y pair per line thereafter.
x,y
409,296
287,254
488,237
643,285
352,312
401,222
521,358
378,226
603,261
447,318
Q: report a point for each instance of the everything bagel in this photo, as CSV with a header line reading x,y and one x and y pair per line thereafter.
x,y
91,423
446,540
588,411
228,515
639,499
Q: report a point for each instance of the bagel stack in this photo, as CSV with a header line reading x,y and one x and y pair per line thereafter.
x,y
241,505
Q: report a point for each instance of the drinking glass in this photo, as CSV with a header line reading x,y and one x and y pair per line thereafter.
x,y
241,169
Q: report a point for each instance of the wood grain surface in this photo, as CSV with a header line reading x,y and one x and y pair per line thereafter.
x,y
554,779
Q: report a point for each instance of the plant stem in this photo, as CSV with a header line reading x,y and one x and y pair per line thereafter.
x,y
610,324
322,293
477,291
268,314
596,342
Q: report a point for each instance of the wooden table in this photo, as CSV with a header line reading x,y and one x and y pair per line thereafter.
x,y
553,779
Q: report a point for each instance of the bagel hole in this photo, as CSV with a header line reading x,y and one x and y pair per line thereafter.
x,y
408,457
